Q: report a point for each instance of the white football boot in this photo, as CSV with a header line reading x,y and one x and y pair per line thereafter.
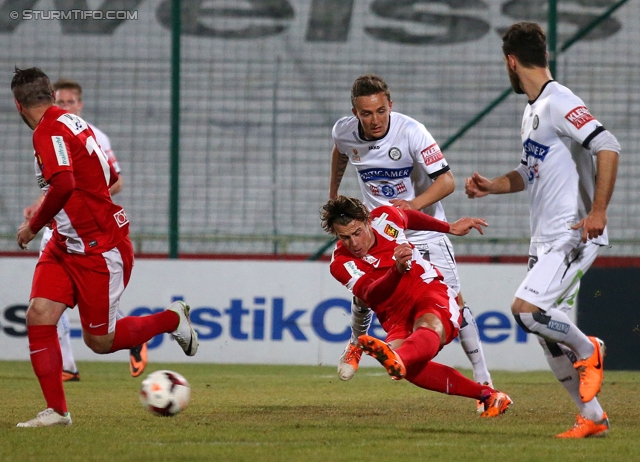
x,y
48,418
185,334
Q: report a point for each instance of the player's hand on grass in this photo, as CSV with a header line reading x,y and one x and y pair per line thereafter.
x,y
464,225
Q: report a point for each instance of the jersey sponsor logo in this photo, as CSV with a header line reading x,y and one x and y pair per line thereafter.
x,y
352,269
121,218
377,174
535,150
432,154
579,116
371,260
73,123
373,147
391,231
61,151
395,154
388,190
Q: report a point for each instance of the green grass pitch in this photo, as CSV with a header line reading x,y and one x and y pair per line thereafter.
x,y
304,413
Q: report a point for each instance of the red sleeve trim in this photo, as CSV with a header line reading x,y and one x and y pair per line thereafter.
x,y
419,221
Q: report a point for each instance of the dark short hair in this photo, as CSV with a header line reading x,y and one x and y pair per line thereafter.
x,y
367,85
31,87
342,211
527,42
66,84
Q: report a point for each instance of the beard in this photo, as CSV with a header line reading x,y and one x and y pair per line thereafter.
x,y
515,82
26,121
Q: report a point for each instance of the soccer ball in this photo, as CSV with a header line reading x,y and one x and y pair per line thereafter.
x,y
165,393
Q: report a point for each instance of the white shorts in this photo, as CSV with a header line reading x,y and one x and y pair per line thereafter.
x,y
440,253
555,269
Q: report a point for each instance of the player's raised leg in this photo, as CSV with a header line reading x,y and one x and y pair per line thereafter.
x,y
131,331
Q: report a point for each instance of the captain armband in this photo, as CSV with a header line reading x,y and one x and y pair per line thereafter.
x,y
601,140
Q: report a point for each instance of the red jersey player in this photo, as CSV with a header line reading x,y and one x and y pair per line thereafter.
x,y
89,258
376,262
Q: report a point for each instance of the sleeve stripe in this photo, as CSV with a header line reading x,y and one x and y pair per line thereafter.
x,y
596,132
435,175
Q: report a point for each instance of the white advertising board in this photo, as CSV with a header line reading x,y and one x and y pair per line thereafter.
x,y
262,312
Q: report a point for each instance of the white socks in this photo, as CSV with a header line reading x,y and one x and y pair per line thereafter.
x,y
561,359
64,336
555,326
470,341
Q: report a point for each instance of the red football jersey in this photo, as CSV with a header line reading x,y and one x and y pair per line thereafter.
x,y
388,224
89,222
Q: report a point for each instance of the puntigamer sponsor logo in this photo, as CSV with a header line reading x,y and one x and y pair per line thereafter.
x,y
376,174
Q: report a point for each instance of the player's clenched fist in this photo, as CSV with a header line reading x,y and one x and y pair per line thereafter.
x,y
477,186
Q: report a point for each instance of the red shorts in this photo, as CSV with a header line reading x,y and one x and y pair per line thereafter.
x,y
436,299
93,282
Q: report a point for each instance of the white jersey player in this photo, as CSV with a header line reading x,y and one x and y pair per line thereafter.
x,y
563,148
398,162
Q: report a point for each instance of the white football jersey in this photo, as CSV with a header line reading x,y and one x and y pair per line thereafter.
x,y
556,166
400,165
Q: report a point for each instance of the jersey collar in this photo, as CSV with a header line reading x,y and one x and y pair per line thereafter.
x,y
541,91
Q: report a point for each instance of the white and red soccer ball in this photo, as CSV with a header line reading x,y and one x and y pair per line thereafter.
x,y
165,393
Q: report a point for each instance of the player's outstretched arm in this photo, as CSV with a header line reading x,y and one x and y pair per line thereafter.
x,y
479,186
463,226
443,185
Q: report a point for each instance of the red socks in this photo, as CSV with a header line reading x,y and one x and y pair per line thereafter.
x,y
421,346
416,353
46,360
135,330
445,379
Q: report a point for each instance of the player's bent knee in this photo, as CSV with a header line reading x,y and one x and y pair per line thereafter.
x,y
532,322
521,323
101,345
44,312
